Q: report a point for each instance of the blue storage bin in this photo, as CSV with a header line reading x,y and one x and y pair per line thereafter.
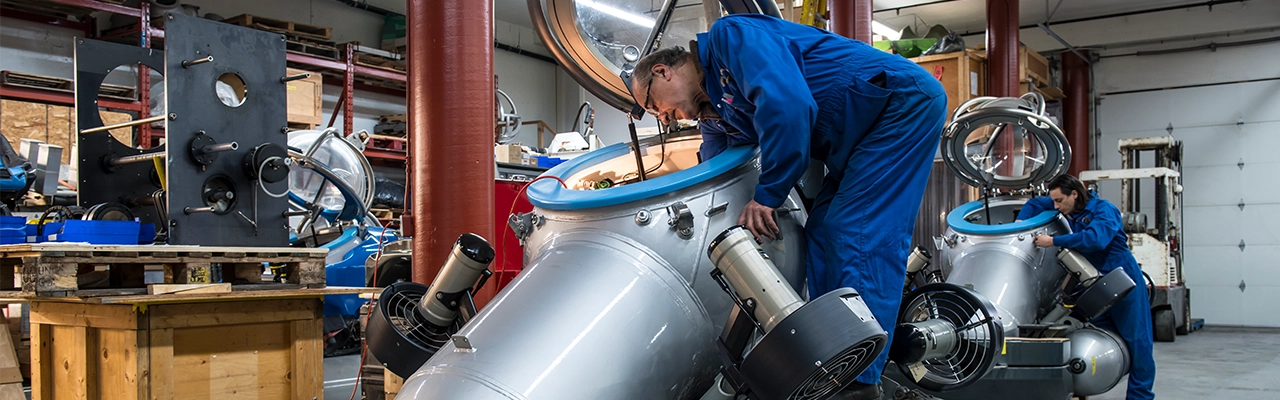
x,y
548,162
93,232
13,230
99,232
146,233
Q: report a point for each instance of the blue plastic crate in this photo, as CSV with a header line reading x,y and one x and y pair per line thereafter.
x,y
13,230
94,232
146,233
548,162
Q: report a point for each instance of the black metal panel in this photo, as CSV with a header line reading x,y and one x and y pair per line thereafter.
x,y
1041,383
100,183
257,58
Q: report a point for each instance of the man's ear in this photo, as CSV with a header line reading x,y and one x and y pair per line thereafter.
x,y
661,70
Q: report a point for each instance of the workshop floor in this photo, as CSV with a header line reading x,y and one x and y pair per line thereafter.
x,y
1219,363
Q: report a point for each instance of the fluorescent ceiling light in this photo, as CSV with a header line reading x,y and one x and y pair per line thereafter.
x,y
622,14
884,30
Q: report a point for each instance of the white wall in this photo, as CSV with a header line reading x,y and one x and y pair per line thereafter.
x,y
1220,126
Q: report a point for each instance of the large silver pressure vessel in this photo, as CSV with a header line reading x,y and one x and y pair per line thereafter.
x,y
616,300
1002,262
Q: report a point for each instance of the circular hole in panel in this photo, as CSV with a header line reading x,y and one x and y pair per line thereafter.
x,y
230,89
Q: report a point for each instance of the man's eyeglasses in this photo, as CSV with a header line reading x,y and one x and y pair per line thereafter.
x,y
648,99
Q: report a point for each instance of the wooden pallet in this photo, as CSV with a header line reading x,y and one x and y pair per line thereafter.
x,y
54,269
315,48
376,61
11,78
386,119
282,26
46,8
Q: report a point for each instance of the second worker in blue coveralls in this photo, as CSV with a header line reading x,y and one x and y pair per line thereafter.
x,y
873,118
1098,235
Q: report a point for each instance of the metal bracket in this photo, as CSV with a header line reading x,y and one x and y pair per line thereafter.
x,y
680,219
523,224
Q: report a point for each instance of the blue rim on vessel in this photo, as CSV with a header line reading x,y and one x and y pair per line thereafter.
x,y
955,219
550,195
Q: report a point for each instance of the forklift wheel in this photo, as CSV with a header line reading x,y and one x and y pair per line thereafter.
x,y
1162,323
1185,328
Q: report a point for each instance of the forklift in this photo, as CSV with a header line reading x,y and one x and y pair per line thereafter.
x,y
1156,246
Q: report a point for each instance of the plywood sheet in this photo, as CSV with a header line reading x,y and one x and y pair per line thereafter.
x,y
51,124
236,361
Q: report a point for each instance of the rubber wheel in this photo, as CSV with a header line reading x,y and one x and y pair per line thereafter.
x,y
1162,323
1185,328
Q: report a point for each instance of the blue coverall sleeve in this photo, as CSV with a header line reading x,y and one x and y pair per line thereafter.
x,y
1096,236
1034,207
713,139
768,72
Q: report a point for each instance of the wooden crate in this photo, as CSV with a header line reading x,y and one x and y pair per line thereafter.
x,y
155,347
53,269
963,75
1033,66
304,99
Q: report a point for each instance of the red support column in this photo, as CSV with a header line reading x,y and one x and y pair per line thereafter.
x,y
451,100
1002,69
348,91
1002,48
1075,82
852,19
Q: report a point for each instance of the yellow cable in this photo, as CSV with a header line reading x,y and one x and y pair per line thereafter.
x,y
159,163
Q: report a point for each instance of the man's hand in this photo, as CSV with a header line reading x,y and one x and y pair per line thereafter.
x,y
1044,240
759,220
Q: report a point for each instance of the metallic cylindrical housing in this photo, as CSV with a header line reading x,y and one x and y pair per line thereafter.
x,y
924,340
595,315
1078,265
470,256
607,308
214,148
917,260
752,276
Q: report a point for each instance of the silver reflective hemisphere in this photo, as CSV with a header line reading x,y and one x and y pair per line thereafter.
x,y
1098,360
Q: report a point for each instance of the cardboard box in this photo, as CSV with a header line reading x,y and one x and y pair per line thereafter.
x,y
394,45
304,99
509,153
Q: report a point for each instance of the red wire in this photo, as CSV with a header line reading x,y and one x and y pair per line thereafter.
x,y
503,237
364,345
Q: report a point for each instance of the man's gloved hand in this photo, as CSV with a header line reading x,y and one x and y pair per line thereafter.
x,y
759,220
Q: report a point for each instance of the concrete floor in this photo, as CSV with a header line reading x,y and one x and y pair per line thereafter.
x,y
1218,363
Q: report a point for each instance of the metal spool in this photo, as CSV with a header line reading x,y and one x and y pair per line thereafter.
x,y
108,212
978,336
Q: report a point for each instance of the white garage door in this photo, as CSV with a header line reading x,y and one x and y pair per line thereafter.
x,y
1231,139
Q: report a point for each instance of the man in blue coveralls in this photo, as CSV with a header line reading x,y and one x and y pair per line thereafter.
x,y
873,118
1097,234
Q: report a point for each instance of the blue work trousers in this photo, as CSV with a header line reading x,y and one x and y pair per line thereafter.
x,y
1131,318
860,227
